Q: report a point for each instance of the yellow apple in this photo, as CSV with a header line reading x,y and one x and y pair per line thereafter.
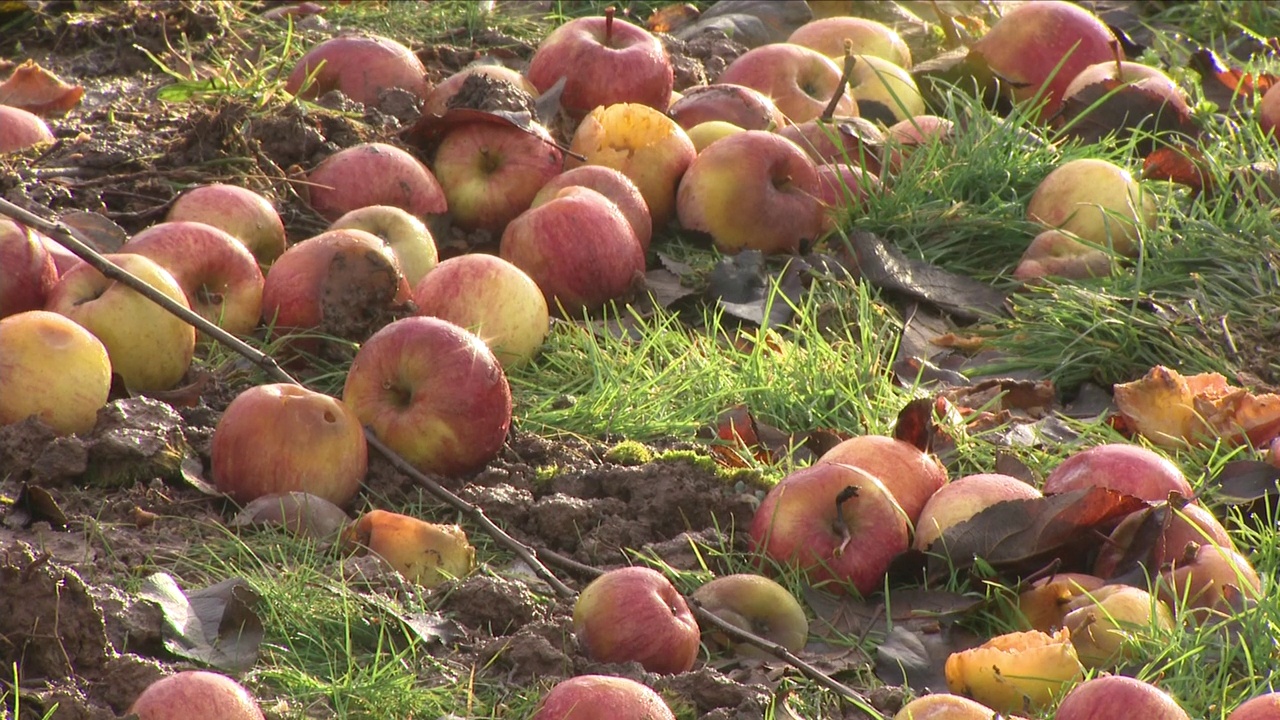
x,y
52,368
884,92
1097,202
424,553
868,37
703,134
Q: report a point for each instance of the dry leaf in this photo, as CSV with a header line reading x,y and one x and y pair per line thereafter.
x,y
39,91
1171,410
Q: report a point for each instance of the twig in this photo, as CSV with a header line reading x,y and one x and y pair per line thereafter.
x,y
849,61
68,238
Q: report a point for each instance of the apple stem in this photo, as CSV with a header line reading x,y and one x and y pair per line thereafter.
x,y
608,25
850,492
849,61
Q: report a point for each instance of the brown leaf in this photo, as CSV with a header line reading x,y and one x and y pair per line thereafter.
x,y
670,18
1222,84
1115,106
1171,410
1182,165
39,91
916,425
186,396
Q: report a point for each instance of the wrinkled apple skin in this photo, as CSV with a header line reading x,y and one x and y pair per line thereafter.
x,y
1129,469
1097,202
246,215
758,605
911,475
195,694
374,174
630,67
800,81
360,66
602,697
1103,697
424,553
740,105
52,368
611,183
636,614
28,271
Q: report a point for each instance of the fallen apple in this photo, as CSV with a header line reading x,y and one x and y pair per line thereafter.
x,y
1102,621
360,67
842,188
1102,697
246,215
905,136
1015,672
740,105
437,101
866,37
703,134
1259,707
944,706
601,697
853,141
883,91
1124,98
491,171
758,605
963,498
1097,202
635,614
1207,581
424,553
1268,112
1180,523
613,185
407,236
1129,469
800,81
20,130
51,368
27,269
1044,605
195,694
1054,253
911,475
374,174
280,438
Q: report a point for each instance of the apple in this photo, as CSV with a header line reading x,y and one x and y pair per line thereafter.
x,y
1189,523
944,706
491,171
911,475
246,215
601,697
195,694
374,174
546,243
492,298
1126,87
52,368
1102,620
1096,201
63,258
1269,111
867,37
1044,605
1207,580
406,235
424,553
1015,672
963,498
1129,469
807,522
27,269
800,81
856,141
641,143
1259,707
703,134
883,91
758,605
613,185
280,438
342,282
433,392
1036,50
219,275
1055,253
842,187
906,135
360,67
150,349
20,130
1107,695
605,61
752,190
635,614
740,105
437,101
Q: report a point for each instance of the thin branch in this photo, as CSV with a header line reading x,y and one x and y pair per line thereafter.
x,y
849,61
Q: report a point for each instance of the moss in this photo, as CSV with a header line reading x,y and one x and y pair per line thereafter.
x,y
629,453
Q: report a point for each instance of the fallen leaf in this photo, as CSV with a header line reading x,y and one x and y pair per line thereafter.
x,y
670,18
215,626
1170,409
34,504
1183,165
746,288
1121,108
1251,485
39,91
1223,84
300,513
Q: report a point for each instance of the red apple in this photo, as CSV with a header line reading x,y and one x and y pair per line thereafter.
x,y
52,368
432,392
546,242
803,523
246,215
911,475
374,174
493,299
1189,523
963,498
1102,698
63,258
1097,201
360,67
601,697
855,141
745,107
437,101
1208,580
491,171
195,694
752,190
842,187
868,37
758,605
1038,48
635,614
906,135
944,706
1129,469
217,272
800,81
1269,111
20,130
612,184
27,269
407,236
1259,707
605,61
150,349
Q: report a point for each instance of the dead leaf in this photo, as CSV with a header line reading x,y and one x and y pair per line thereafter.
x,y
670,18
215,626
1183,165
746,288
187,395
918,657
1251,485
300,513
1121,108
1172,410
34,504
39,91
1223,84
105,235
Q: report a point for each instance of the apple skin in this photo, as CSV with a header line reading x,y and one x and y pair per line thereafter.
x,y
883,91
1057,254
281,438
406,235
437,101
906,135
1096,201
1044,606
613,185
1030,41
800,81
1100,622
1189,524
753,190
850,140
491,171
629,65
545,242
1269,111
827,36
1260,707
758,605
217,272
1100,698
374,174
246,215
150,349
492,298
52,368
641,143
360,66
944,706
1129,469
602,697
195,694
27,269
963,498
1016,671
798,524
636,614
20,130
840,187
1198,581
911,475
745,107
703,134
432,392
424,553
63,258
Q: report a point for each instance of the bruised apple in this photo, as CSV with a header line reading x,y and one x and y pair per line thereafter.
x,y
195,694
800,81
281,438
360,67
758,605
1016,671
1046,603
596,697
51,368
374,174
740,105
911,475
437,101
407,236
424,553
246,215
635,614
613,185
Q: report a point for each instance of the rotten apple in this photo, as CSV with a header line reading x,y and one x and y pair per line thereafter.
x,y
407,236
1129,469
360,67
758,605
745,107
423,552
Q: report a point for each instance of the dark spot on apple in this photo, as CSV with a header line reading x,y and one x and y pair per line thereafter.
x,y
782,182
329,417
206,295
